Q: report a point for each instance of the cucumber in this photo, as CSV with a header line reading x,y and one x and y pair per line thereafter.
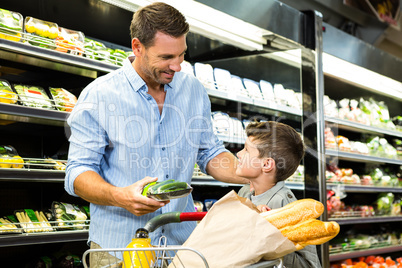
x,y
146,188
174,186
155,187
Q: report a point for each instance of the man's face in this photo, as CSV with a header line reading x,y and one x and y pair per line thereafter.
x,y
249,163
161,60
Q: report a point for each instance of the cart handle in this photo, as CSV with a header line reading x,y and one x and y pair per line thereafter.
x,y
170,217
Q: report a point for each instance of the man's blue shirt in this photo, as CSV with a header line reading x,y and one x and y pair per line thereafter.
x,y
118,132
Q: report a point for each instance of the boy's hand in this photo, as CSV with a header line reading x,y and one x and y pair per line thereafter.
x,y
263,208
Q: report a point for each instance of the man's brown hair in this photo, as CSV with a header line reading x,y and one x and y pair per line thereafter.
x,y
280,142
157,17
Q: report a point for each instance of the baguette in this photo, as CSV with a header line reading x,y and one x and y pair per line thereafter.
x,y
294,213
310,232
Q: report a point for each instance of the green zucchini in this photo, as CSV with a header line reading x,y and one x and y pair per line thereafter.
x,y
155,187
174,186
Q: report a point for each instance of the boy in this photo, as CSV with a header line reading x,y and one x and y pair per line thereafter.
x,y
271,154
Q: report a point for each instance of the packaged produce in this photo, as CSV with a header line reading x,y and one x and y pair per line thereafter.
x,y
238,86
280,94
9,157
253,88
343,143
330,107
69,216
117,56
33,221
33,96
330,141
166,190
384,203
41,33
267,91
7,94
95,50
48,163
63,99
186,67
205,73
8,227
10,25
223,79
380,147
70,41
220,123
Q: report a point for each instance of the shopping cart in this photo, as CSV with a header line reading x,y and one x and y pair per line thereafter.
x,y
161,256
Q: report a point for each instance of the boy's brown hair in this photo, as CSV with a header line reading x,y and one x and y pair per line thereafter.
x,y
280,142
157,17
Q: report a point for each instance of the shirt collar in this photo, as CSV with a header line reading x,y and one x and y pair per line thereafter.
x,y
135,80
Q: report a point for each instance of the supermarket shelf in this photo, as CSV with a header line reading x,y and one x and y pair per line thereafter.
x,y
358,127
19,113
255,102
358,220
365,252
33,55
364,188
31,175
361,158
231,139
42,238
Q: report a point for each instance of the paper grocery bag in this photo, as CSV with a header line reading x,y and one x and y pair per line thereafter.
x,y
233,234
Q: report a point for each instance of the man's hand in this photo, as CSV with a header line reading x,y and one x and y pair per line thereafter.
x,y
93,188
131,198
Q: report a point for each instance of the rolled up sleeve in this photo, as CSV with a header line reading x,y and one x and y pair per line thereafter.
x,y
210,145
87,140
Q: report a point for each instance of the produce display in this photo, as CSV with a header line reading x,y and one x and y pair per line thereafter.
x,y
7,94
41,33
386,204
61,216
64,100
368,112
10,25
375,145
70,41
369,262
297,221
69,216
33,221
33,96
166,190
98,51
9,157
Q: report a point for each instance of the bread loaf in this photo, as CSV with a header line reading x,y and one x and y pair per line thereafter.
x,y
294,213
310,232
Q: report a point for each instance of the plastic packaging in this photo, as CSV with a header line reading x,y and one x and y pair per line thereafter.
x,y
166,190
253,88
41,33
70,41
33,96
69,216
7,94
267,91
10,25
63,99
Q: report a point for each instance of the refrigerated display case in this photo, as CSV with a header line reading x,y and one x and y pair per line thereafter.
x,y
286,56
360,73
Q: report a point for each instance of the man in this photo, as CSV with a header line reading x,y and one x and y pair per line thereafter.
x,y
146,121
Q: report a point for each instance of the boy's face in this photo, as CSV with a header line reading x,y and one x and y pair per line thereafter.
x,y
249,164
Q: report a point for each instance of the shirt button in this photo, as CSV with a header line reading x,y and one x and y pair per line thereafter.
x,y
163,148
167,176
